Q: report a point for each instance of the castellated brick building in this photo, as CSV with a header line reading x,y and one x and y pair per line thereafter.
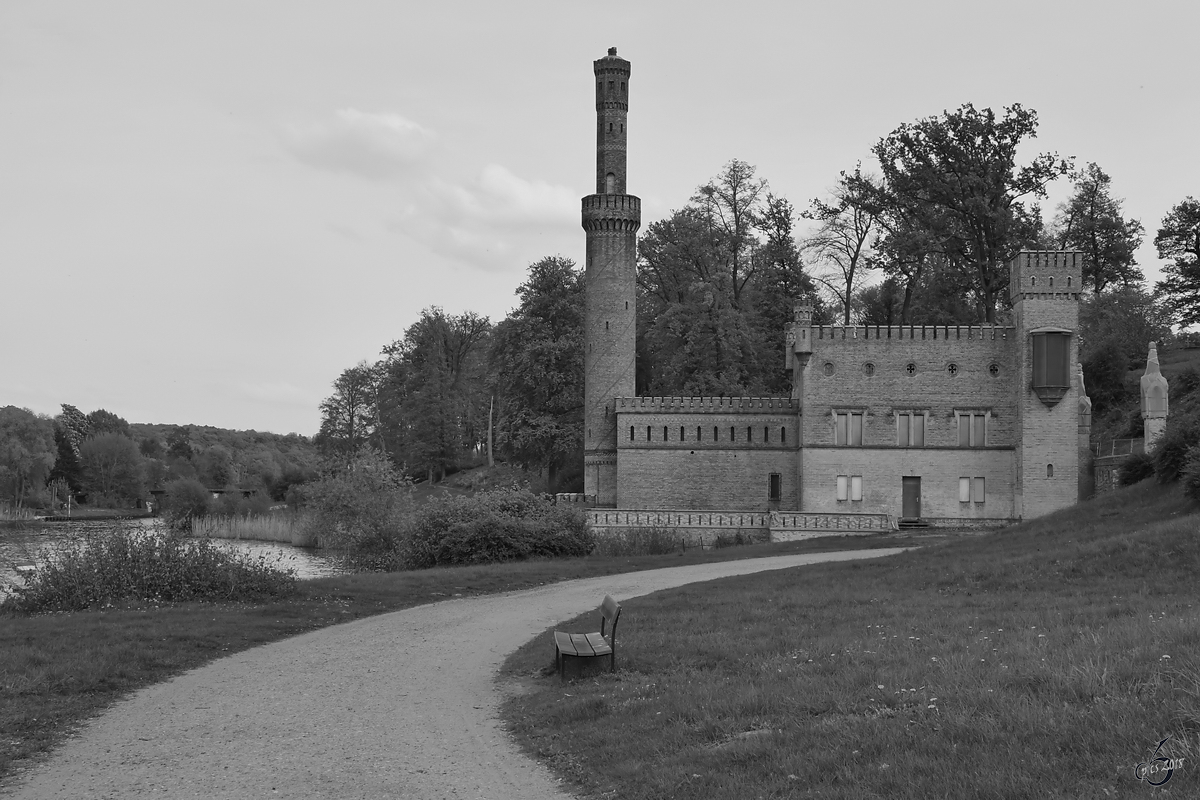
x,y
925,425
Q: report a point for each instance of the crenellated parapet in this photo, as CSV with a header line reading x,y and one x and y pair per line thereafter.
x,y
850,333
611,213
707,405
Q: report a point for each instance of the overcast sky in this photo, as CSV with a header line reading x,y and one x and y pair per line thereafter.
x,y
208,210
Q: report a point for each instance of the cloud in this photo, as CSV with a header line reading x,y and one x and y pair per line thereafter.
x,y
369,145
486,220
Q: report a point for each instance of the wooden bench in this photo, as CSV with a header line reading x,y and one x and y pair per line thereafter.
x,y
590,645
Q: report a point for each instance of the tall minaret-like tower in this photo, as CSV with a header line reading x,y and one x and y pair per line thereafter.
x,y
611,219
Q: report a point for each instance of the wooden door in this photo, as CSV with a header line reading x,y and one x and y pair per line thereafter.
x,y
912,497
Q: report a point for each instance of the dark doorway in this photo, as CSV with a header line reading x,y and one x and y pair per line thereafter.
x,y
912,497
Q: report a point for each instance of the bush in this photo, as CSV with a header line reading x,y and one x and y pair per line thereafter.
x,y
637,542
1191,473
1171,452
185,498
499,525
1136,468
124,565
359,509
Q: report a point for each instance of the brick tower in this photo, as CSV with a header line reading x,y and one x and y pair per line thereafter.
x,y
611,219
1044,286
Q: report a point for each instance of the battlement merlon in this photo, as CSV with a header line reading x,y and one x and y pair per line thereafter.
x,y
707,405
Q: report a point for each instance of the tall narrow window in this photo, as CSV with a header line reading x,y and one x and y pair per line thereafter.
x,y
977,490
843,488
732,434
647,433
964,490
716,431
766,434
783,435
749,433
681,437
698,437
856,492
775,487
903,422
665,438
918,430
1051,366
610,184
631,433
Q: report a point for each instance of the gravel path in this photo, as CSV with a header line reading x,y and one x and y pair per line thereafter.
x,y
401,705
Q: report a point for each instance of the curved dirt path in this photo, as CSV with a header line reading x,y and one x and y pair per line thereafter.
x,y
402,705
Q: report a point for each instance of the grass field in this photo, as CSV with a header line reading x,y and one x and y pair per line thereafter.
x,y
56,670
1044,660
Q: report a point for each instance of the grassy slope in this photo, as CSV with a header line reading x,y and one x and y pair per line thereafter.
x,y
1044,660
56,670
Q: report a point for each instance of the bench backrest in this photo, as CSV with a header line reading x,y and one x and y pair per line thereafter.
x,y
610,612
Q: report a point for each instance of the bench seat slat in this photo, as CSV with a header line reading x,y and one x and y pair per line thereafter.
x,y
598,644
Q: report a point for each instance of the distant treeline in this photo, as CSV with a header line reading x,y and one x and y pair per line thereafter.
x,y
105,460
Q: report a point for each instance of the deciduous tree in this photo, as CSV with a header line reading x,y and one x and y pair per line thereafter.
x,y
348,415
1091,221
841,247
1178,242
112,468
958,177
27,454
537,363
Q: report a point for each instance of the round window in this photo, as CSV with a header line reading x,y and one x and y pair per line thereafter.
x,y
911,368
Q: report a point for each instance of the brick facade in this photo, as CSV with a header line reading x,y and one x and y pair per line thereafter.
x,y
937,423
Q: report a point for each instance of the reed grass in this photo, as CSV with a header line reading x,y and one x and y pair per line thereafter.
x,y
263,527
11,513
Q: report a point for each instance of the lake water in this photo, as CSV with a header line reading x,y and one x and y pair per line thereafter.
x,y
20,547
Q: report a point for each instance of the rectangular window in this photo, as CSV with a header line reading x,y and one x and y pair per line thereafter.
x,y
749,433
849,429
918,430
1051,358
850,487
647,433
856,487
903,422
977,490
972,430
783,435
842,487
964,490
698,436
732,434
971,490
681,433
775,487
715,432
631,433
766,434
665,433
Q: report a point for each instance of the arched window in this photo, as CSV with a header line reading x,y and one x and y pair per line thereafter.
x,y
610,184
1049,470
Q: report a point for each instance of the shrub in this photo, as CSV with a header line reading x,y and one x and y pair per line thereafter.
x,y
1136,468
1171,452
125,565
359,510
185,498
649,541
1191,473
499,525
